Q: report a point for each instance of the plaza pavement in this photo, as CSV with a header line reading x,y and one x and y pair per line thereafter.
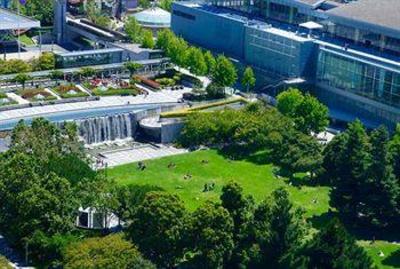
x,y
146,152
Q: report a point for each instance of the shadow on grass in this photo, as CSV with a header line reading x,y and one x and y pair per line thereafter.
x,y
393,259
357,231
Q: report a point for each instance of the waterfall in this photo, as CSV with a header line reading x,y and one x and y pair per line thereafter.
x,y
108,128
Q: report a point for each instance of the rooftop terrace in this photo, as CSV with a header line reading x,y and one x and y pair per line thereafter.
x,y
12,21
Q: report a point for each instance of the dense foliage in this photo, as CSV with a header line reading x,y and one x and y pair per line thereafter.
x,y
45,62
111,251
254,128
307,112
360,167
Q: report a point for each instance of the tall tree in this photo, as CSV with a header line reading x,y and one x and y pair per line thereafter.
x,y
353,160
133,29
30,200
147,39
277,231
210,62
394,148
307,112
248,79
211,240
332,248
111,251
224,73
132,67
241,210
381,193
22,78
195,61
155,228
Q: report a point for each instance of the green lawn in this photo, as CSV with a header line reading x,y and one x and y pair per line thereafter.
x,y
26,40
256,178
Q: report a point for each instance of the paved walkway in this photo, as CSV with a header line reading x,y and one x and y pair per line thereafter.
x,y
83,89
161,97
17,98
124,156
52,93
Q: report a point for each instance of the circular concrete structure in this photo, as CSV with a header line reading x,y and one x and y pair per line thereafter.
x,y
154,18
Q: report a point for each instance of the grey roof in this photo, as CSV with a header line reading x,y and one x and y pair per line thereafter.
x,y
383,13
87,52
12,21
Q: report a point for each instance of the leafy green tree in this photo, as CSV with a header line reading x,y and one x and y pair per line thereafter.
x,y
47,61
298,152
166,5
275,231
394,149
176,50
56,75
147,39
30,200
313,115
211,236
87,72
132,67
44,140
22,78
215,91
164,38
130,197
41,10
210,62
240,209
144,4
289,101
155,228
111,251
133,29
224,74
248,79
196,62
333,248
382,190
307,112
346,160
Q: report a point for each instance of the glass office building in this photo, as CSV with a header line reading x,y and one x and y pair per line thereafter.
x,y
88,57
372,80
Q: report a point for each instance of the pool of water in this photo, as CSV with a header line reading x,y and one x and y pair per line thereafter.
x,y
78,114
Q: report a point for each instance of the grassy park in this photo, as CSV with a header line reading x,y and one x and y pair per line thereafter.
x,y
255,176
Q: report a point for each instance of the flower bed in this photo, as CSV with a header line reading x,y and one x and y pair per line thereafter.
x,y
130,90
69,91
36,95
5,101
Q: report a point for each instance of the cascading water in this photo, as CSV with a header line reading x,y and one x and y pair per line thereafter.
x,y
109,128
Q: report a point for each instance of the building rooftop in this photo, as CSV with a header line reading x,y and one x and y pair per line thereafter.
x,y
154,17
383,13
12,21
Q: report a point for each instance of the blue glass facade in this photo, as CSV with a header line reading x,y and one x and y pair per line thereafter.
x,y
359,75
223,33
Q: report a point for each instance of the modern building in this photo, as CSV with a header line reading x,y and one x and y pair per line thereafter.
x,y
348,52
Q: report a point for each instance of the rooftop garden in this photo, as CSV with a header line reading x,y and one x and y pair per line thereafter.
x,y
69,91
108,87
36,95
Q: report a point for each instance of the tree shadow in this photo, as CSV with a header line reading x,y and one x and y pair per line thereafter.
x,y
319,221
393,259
358,231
